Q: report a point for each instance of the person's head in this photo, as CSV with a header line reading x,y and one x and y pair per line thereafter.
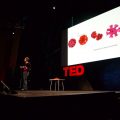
x,y
26,59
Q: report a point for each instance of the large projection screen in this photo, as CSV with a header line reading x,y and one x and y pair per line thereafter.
x,y
95,39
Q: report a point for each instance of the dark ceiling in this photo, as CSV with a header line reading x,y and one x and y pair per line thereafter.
x,y
80,10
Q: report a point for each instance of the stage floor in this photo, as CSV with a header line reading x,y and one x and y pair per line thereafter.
x,y
46,93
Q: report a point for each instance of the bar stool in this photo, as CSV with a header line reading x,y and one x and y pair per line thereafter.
x,y
57,81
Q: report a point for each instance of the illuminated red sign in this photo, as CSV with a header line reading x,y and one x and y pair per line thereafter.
x,y
76,70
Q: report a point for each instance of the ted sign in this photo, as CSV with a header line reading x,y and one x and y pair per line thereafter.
x,y
76,70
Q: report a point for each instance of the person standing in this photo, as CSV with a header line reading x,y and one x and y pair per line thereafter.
x,y
25,73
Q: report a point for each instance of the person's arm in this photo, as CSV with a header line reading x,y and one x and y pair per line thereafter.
x,y
29,66
22,67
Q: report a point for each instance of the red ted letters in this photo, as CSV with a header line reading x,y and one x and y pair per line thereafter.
x,y
77,70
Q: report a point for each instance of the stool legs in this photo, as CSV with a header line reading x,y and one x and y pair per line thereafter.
x,y
50,85
57,85
63,85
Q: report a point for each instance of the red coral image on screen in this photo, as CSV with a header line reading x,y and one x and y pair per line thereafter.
x,y
94,34
83,39
99,36
72,42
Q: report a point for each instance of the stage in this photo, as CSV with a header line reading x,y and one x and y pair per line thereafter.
x,y
47,93
45,104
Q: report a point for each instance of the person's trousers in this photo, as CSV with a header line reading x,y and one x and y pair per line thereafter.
x,y
25,76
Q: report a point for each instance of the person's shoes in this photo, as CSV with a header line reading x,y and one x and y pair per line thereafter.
x,y
22,89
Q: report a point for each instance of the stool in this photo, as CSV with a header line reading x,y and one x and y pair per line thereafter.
x,y
56,80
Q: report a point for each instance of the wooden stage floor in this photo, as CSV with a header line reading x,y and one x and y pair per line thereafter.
x,y
46,93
